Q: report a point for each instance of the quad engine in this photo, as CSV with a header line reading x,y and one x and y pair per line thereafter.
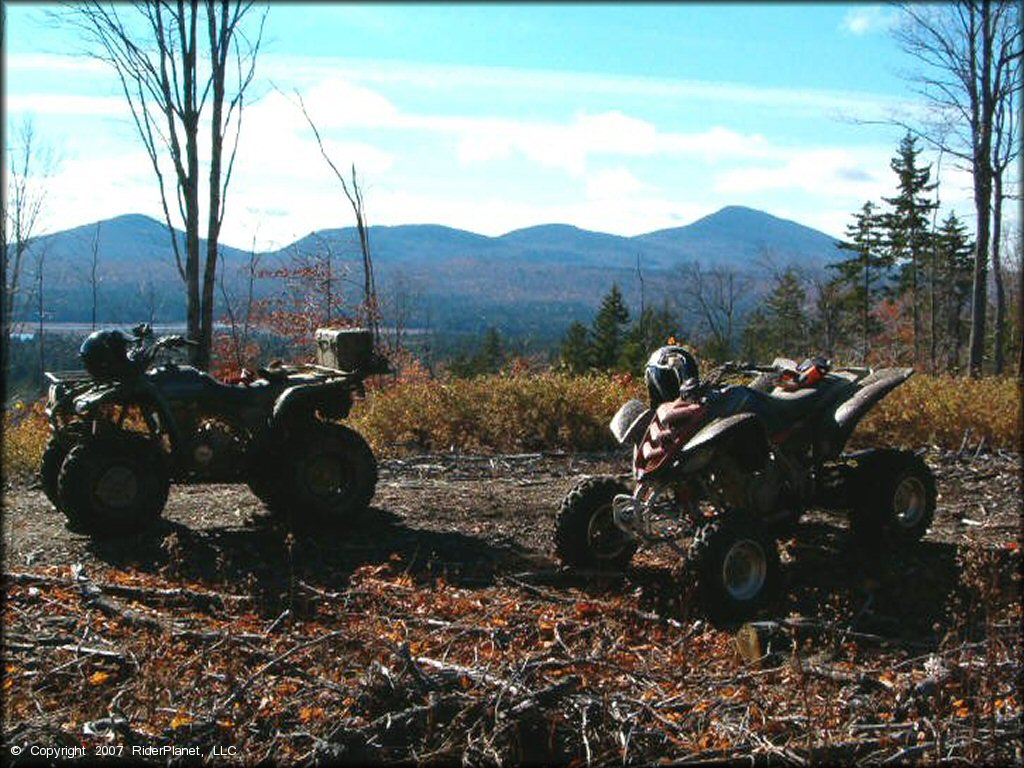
x,y
217,451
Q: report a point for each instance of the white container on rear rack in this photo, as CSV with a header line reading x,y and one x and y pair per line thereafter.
x,y
344,349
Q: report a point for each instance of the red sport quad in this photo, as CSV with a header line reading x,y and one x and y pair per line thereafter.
x,y
732,467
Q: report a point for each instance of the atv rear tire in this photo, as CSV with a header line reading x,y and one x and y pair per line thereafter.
x,y
113,485
897,498
330,475
585,532
735,562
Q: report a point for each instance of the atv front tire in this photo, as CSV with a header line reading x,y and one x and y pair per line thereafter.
x,y
736,564
585,532
56,450
49,469
897,498
113,485
330,476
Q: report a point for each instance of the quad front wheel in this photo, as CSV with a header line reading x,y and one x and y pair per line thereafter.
x,y
113,485
736,564
49,468
585,532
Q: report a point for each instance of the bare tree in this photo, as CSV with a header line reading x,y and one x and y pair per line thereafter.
x,y
354,192
1005,152
23,197
716,292
970,53
94,272
173,59
240,318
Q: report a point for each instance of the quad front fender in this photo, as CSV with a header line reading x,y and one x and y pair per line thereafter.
x,y
630,422
743,433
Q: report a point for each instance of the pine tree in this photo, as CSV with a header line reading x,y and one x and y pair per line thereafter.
x,y
608,330
575,352
907,229
780,326
860,275
491,355
954,272
650,331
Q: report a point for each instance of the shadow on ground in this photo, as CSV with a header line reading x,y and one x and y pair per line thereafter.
x,y
266,560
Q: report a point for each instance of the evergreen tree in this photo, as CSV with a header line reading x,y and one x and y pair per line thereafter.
x,y
575,352
650,331
860,275
780,326
491,355
608,330
954,269
488,357
907,227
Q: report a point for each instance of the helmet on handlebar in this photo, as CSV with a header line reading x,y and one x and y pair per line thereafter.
x,y
669,370
105,355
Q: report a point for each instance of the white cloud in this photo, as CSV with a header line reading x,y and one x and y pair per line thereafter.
x,y
868,19
429,76
65,104
825,172
613,184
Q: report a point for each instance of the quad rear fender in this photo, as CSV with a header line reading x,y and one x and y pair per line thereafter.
x,y
300,400
848,415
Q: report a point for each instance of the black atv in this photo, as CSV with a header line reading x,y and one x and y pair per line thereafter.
x,y
125,428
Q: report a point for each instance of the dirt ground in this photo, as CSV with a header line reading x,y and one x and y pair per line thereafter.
x,y
478,517
482,523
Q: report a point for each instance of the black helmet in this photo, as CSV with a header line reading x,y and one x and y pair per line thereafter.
x,y
105,355
669,370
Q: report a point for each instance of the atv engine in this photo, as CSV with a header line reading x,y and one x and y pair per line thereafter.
x,y
217,451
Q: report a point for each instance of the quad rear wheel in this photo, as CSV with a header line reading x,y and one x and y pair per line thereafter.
x,y
328,476
113,484
585,532
897,500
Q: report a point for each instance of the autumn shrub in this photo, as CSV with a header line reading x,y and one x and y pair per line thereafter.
x,y
498,413
939,410
553,411
25,434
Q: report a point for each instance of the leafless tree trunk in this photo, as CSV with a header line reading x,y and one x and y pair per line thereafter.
x,y
354,192
240,319
970,51
168,76
715,292
1005,151
22,203
94,272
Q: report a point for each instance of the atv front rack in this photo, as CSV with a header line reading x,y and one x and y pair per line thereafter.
x,y
68,377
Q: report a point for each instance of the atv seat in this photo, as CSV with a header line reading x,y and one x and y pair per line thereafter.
x,y
780,409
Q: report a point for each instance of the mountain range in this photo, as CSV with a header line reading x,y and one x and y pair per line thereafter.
x,y
533,281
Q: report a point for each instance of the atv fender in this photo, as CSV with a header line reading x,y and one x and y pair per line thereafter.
x,y
334,397
630,422
848,415
744,430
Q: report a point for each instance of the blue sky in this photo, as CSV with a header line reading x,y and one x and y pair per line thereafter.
x,y
618,118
